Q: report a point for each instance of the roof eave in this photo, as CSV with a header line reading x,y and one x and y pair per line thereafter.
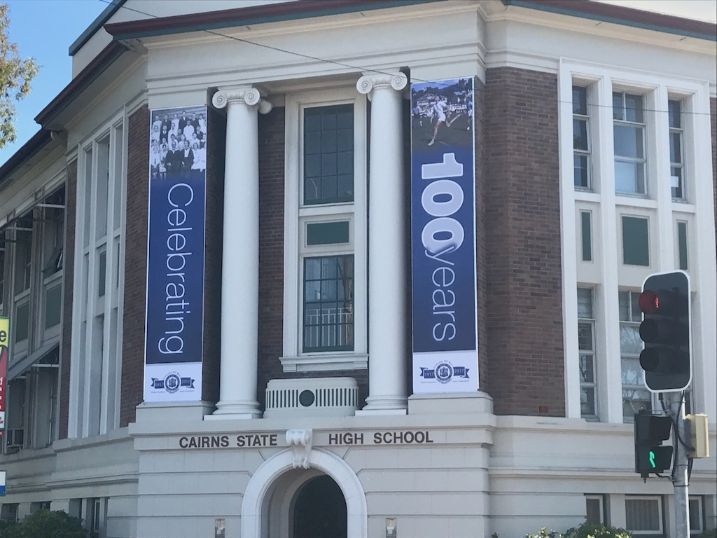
x,y
212,20
95,26
94,69
625,16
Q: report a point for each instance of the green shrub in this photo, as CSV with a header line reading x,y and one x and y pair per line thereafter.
x,y
595,530
45,524
586,530
544,533
709,534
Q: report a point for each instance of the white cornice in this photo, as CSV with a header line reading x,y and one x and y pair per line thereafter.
x,y
603,29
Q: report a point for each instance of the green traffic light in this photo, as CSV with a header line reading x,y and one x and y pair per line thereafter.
x,y
652,459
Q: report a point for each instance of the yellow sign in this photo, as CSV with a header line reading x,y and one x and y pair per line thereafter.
x,y
4,332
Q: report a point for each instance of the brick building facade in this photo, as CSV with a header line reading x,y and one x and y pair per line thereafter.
x,y
570,218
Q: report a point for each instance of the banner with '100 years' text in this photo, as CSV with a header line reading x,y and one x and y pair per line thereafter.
x,y
443,237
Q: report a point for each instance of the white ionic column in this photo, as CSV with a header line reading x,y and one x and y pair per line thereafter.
x,y
240,254
388,247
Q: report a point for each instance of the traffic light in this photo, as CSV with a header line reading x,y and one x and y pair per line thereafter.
x,y
665,330
650,455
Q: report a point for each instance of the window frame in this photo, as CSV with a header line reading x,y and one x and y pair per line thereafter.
x,y
623,355
681,165
591,352
296,217
94,401
660,513
603,506
585,118
633,215
699,499
632,124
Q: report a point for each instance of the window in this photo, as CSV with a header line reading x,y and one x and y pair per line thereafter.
x,y
634,394
643,515
629,143
682,245
95,371
325,321
8,512
677,173
586,236
328,304
96,516
3,248
328,154
595,509
581,139
33,256
635,241
696,515
37,506
586,346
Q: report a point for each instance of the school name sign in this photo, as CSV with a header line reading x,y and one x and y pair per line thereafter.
x,y
443,238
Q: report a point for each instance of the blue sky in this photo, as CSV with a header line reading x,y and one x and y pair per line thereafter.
x,y
44,29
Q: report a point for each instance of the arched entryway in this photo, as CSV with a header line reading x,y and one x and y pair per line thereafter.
x,y
319,510
279,497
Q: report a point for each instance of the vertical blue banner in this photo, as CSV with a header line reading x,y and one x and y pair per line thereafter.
x,y
175,255
445,352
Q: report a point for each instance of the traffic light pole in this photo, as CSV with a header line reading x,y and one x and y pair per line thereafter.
x,y
679,474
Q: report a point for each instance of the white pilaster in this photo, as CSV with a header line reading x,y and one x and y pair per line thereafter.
x,y
611,380
240,255
388,246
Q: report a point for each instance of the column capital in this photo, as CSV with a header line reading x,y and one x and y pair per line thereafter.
x,y
373,81
245,95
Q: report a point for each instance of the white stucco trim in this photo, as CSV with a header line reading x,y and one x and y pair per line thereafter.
x,y
329,463
612,274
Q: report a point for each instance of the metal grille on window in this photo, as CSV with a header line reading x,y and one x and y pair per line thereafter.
x,y
328,303
328,154
586,346
634,394
643,514
629,143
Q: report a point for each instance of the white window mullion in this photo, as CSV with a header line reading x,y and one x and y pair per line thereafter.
x,y
568,238
659,150
108,375
90,408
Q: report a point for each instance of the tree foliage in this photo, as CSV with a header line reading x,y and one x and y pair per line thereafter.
x,y
44,524
15,76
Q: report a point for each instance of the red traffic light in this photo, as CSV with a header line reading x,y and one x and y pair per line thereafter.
x,y
649,302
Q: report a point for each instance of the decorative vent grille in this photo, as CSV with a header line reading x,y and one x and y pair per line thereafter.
x,y
323,396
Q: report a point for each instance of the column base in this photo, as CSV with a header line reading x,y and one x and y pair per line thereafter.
x,y
239,410
384,405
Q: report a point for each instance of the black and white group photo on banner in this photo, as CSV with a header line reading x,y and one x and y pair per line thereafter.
x,y
178,143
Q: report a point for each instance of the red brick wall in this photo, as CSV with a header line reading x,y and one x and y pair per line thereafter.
x,y
271,258
135,265
68,277
521,218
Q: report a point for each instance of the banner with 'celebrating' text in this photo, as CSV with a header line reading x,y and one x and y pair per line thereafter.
x,y
175,264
